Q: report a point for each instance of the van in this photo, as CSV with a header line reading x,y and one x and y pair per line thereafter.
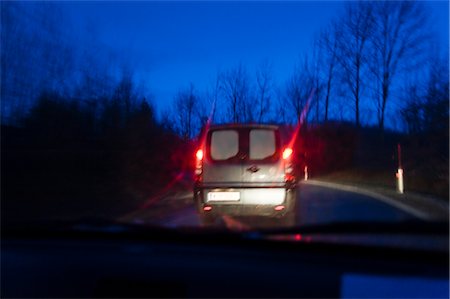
x,y
245,170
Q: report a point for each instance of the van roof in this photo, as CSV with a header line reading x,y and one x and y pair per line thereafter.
x,y
234,126
286,131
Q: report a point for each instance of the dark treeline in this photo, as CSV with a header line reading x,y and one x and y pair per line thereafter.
x,y
79,135
83,157
77,125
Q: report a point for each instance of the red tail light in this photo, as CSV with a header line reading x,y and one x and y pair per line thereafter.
x,y
288,166
199,154
287,153
198,163
279,208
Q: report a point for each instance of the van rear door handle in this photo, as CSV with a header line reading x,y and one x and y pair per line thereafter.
x,y
253,168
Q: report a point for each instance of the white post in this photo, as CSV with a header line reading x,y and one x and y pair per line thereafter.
x,y
306,173
399,175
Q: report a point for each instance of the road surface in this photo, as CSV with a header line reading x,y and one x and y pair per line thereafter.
x,y
316,205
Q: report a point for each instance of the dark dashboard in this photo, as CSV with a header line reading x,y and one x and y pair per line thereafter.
x,y
117,262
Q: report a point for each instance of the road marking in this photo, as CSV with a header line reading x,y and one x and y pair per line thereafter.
x,y
407,208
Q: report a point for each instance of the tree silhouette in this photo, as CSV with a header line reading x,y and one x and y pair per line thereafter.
x,y
398,42
264,90
357,25
186,117
328,42
236,90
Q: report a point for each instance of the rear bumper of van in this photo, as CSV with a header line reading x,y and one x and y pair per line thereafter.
x,y
270,200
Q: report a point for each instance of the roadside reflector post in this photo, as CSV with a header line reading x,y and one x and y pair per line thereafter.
x,y
306,173
399,174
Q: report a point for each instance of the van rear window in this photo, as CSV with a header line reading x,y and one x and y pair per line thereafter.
x,y
224,144
262,144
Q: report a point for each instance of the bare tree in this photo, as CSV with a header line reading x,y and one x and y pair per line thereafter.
x,y
412,112
212,98
436,106
399,41
281,108
313,72
298,88
357,27
425,99
166,120
236,89
186,102
204,111
328,42
264,90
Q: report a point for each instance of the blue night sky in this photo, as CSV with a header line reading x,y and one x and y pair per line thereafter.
x,y
170,44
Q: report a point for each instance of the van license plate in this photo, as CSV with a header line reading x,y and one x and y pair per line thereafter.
x,y
224,196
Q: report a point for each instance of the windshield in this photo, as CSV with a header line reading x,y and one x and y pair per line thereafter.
x,y
225,115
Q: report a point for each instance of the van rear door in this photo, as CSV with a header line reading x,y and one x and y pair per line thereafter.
x,y
224,154
263,164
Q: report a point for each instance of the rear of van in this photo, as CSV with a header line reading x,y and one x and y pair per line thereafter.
x,y
245,170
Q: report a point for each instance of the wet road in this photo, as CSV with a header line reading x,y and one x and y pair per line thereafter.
x,y
321,204
316,205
